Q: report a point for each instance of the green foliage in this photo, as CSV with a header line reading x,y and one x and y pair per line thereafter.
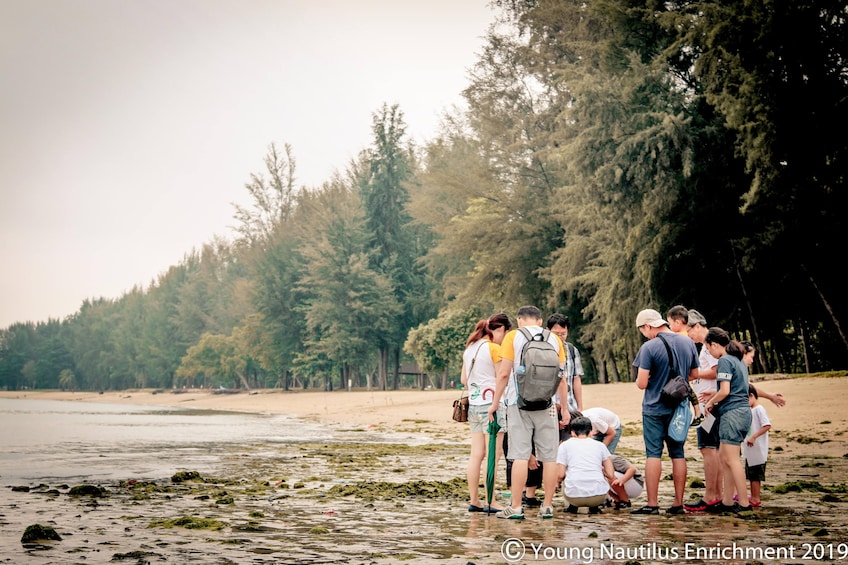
x,y
612,156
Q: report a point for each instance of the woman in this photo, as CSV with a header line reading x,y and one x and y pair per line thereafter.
x,y
479,365
730,402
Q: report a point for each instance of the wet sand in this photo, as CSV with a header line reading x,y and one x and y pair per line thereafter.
x,y
367,502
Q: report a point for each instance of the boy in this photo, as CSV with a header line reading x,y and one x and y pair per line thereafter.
x,y
586,466
755,447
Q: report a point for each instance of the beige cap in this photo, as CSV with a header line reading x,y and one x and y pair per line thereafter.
x,y
651,318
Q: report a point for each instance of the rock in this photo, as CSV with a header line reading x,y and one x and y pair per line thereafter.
x,y
37,532
86,490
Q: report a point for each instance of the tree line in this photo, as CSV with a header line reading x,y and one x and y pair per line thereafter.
x,y
611,156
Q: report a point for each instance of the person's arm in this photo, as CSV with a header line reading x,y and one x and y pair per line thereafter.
x,y
563,393
642,378
706,374
609,471
560,472
577,384
753,437
463,378
776,398
721,394
609,436
501,379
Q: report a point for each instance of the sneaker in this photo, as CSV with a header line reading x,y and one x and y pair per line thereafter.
x,y
571,509
531,502
511,513
696,422
595,510
715,506
699,506
546,512
722,508
621,504
646,510
677,510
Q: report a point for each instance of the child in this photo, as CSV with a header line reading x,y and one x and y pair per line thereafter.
x,y
755,447
586,466
627,484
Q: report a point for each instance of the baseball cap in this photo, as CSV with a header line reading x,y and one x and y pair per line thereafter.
x,y
651,318
696,317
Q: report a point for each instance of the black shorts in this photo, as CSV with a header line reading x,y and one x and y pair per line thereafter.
x,y
755,472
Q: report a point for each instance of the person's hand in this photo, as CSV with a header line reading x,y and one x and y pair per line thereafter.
x,y
709,408
750,442
778,400
492,409
532,463
617,482
705,396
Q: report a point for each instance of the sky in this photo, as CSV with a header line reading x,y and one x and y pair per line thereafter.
x,y
128,128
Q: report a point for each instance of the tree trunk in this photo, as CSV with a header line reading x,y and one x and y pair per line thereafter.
x,y
243,380
396,369
602,371
755,333
827,306
613,370
806,353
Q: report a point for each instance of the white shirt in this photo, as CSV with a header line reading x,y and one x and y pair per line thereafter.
x,y
602,419
758,454
584,467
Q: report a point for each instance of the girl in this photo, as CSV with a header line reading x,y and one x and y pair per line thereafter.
x,y
730,402
479,365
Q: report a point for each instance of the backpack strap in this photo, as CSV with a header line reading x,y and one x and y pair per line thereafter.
x,y
671,370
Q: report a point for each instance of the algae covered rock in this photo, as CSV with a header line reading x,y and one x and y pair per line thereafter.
x,y
183,476
37,532
86,490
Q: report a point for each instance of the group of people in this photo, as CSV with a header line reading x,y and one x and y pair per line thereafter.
x,y
562,444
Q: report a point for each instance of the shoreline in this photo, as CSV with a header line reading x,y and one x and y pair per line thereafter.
x,y
814,408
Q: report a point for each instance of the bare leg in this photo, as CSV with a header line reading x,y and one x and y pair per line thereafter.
x,y
653,470
549,481
712,474
734,474
678,473
478,452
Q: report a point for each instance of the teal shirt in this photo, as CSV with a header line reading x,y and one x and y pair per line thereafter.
x,y
733,370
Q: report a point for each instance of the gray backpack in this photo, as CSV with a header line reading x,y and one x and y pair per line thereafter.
x,y
538,375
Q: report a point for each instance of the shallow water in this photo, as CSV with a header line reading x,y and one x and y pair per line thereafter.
x,y
53,441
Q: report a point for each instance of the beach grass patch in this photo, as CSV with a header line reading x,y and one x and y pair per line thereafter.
x,y
189,523
319,530
370,490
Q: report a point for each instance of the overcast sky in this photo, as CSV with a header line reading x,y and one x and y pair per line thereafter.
x,y
129,127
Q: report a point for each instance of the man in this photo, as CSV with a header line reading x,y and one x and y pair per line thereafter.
x,y
703,382
559,324
652,363
704,385
527,427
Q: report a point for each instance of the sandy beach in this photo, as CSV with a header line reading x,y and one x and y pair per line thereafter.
x,y
374,503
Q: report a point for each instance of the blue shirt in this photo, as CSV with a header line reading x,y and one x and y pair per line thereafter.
x,y
653,356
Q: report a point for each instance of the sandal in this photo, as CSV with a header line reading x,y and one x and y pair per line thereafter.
x,y
621,504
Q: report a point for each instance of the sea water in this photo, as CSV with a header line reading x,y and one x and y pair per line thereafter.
x,y
50,441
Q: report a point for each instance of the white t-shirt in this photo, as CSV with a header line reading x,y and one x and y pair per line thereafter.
x,y
584,467
602,419
706,362
758,454
481,377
